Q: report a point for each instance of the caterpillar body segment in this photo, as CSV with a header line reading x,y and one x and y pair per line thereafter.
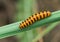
x,y
34,18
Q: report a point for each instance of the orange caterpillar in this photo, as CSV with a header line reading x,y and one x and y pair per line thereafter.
x,y
34,18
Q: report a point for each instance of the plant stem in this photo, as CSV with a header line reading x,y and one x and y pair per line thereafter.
x,y
13,29
46,31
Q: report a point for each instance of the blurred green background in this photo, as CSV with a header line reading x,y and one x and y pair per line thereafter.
x,y
18,10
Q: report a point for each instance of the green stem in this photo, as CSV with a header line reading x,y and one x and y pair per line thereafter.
x,y
13,29
9,30
46,31
27,13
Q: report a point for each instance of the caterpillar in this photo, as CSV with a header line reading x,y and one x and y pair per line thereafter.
x,y
34,18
